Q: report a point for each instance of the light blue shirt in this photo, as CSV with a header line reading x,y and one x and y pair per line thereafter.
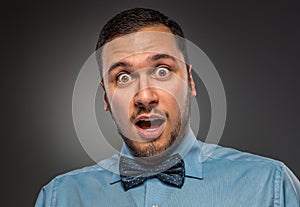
x,y
215,177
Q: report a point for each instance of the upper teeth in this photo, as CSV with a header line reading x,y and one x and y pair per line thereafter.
x,y
149,119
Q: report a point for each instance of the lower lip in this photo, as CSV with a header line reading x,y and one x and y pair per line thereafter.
x,y
151,134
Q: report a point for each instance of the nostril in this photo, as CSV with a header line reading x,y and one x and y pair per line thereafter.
x,y
138,104
153,102
145,104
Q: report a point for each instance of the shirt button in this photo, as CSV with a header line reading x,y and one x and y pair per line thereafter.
x,y
154,205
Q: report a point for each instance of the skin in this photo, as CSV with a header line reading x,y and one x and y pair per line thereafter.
x,y
145,74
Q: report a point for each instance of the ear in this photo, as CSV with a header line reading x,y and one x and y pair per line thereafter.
x,y
191,80
106,104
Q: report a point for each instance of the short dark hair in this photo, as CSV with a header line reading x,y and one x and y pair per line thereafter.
x,y
132,20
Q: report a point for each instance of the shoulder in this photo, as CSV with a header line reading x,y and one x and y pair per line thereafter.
x,y
242,168
81,171
259,177
99,172
218,154
80,185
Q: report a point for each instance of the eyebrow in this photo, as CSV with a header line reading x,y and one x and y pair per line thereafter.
x,y
119,64
162,56
151,58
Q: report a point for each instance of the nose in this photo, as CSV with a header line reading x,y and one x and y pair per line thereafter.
x,y
146,96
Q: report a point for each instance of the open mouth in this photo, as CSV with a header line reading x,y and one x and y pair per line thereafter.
x,y
150,124
150,127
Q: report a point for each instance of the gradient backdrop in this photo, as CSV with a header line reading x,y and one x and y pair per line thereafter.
x,y
254,47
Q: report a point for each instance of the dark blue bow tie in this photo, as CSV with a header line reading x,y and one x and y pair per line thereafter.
x,y
134,172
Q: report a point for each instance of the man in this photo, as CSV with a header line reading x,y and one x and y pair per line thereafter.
x,y
148,83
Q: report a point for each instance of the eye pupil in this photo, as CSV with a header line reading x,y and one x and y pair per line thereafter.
x,y
162,72
124,78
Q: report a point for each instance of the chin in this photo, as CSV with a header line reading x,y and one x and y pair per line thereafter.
x,y
149,148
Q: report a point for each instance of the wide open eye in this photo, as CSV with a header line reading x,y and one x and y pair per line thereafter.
x,y
123,78
162,72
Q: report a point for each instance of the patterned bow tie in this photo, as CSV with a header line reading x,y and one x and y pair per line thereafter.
x,y
134,172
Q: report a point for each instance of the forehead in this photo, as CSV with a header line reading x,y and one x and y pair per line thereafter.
x,y
146,41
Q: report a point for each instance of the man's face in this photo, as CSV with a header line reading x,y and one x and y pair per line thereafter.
x,y
146,89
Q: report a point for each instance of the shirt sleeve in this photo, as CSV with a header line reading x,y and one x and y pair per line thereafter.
x,y
289,189
45,196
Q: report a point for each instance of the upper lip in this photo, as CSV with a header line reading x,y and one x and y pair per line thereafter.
x,y
149,117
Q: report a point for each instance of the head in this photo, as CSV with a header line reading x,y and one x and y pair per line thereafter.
x,y
146,81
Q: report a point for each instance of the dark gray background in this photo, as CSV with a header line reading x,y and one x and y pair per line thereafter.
x,y
254,46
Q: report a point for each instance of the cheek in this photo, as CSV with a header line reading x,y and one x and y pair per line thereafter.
x,y
120,104
120,99
174,95
176,86
171,103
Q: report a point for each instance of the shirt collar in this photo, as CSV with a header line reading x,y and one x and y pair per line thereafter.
x,y
189,150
